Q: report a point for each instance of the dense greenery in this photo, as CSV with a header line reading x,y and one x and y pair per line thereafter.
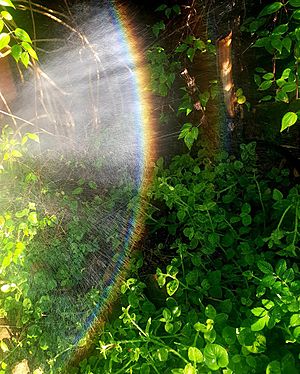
x,y
221,290
47,242
230,290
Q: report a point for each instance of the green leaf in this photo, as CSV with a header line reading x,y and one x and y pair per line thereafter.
x,y
33,137
294,3
172,287
289,87
16,52
259,312
195,355
289,119
280,267
189,369
241,100
265,85
277,44
22,35
7,3
273,368
277,195
272,8
1,25
296,14
229,334
281,29
268,76
162,354
30,50
260,323
295,320
190,53
287,43
77,191
32,218
4,40
16,153
215,356
210,312
265,267
25,58
6,15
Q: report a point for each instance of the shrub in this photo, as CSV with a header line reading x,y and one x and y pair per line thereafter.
x,y
229,299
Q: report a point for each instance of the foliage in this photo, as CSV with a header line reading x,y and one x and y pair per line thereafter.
x,y
277,33
46,294
229,297
168,64
21,49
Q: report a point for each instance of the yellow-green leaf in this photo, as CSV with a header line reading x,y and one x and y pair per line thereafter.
x,y
289,119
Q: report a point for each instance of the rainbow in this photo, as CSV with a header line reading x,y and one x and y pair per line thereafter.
x,y
131,48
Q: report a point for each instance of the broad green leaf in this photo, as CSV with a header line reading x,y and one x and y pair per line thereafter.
x,y
162,354
1,25
265,85
280,267
273,368
277,44
22,35
4,40
33,137
229,334
190,53
294,3
269,9
30,50
296,14
281,29
215,356
7,3
195,355
260,323
265,267
277,195
268,76
287,43
241,100
32,218
25,58
172,287
210,312
77,191
4,346
259,312
189,369
16,52
295,320
289,119
16,153
289,87
6,15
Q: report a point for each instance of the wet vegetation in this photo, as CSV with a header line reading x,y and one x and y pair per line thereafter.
x,y
213,284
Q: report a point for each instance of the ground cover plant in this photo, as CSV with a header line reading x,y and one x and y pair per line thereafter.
x,y
229,291
51,273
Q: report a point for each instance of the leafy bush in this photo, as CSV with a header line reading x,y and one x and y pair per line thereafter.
x,y
59,242
14,40
276,31
229,299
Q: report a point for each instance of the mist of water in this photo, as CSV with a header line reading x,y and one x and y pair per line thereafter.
x,y
84,102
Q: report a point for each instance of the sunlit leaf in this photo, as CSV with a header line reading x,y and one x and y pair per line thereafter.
x,y
289,119
272,8
4,40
